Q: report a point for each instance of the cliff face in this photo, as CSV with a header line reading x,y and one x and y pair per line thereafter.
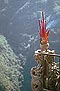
x,y
10,68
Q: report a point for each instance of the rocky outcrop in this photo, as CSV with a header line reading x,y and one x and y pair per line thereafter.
x,y
10,68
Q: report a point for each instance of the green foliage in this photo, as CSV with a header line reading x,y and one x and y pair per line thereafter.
x,y
9,67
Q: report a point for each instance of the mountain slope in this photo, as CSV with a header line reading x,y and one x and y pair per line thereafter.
x,y
10,66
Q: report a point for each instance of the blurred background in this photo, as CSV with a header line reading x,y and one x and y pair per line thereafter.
x,y
19,24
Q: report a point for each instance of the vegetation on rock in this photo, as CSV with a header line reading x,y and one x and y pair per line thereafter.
x,y
10,68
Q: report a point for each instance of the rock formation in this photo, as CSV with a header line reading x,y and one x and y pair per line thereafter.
x,y
10,68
